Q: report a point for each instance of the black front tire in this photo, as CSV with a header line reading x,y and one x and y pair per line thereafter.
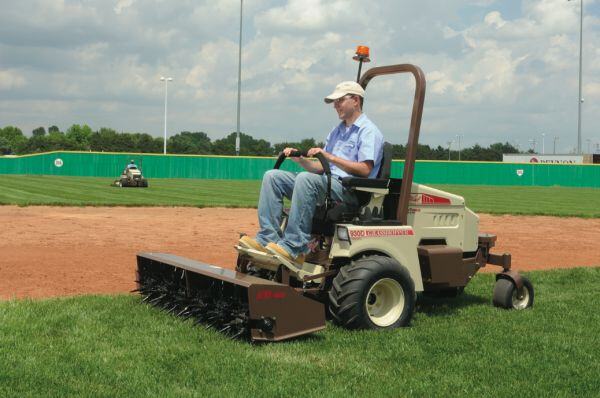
x,y
506,294
375,292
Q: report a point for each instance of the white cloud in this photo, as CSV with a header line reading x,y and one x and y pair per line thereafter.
x,y
307,14
494,69
11,79
122,5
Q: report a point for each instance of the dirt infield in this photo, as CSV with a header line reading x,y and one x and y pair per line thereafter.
x,y
57,251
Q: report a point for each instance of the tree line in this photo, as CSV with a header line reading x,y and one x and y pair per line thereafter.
x,y
83,138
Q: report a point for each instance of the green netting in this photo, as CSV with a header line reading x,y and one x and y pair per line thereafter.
x,y
252,168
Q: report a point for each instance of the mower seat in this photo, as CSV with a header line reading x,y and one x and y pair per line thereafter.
x,y
325,219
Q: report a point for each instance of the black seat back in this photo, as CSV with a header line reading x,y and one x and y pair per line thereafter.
x,y
385,170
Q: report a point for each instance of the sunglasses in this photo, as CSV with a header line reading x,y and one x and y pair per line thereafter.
x,y
342,99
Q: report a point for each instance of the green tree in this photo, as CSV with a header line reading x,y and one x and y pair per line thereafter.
x,y
53,141
190,143
11,140
498,149
476,152
104,140
125,142
303,145
38,131
398,151
440,153
5,148
145,143
248,146
78,137
57,141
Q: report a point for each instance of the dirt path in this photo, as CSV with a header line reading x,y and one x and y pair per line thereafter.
x,y
56,251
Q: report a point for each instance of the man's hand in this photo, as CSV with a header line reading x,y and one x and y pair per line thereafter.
x,y
359,169
312,152
288,151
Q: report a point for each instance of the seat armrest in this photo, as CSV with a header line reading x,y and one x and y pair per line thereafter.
x,y
359,182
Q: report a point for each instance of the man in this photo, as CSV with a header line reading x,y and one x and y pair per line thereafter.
x,y
131,165
353,148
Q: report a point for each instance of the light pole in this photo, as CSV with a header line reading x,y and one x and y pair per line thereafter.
x,y
449,144
237,138
543,143
532,142
554,149
589,142
166,80
458,136
580,99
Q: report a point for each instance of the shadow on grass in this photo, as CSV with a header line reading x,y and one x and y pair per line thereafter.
x,y
306,338
447,306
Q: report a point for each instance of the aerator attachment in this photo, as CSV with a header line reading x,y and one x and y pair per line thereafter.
x,y
239,305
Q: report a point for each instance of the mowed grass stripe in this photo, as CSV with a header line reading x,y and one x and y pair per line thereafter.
x,y
31,190
90,191
113,345
554,201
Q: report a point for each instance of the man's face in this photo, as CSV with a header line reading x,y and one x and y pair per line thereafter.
x,y
346,106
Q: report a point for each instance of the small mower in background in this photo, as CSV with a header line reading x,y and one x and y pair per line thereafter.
x,y
131,177
367,262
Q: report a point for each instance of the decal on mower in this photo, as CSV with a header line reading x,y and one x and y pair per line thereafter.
x,y
428,199
269,294
378,233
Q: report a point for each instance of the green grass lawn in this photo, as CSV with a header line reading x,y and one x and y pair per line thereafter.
x,y
553,201
115,346
93,191
90,191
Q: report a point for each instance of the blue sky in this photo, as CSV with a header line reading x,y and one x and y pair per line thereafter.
x,y
496,70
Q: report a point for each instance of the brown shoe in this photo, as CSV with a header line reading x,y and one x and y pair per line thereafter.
x,y
274,248
249,243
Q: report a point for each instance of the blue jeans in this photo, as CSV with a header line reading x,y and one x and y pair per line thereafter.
x,y
306,190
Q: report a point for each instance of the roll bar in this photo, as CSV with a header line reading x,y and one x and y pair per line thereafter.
x,y
415,127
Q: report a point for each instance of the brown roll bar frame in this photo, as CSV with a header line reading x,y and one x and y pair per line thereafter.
x,y
415,126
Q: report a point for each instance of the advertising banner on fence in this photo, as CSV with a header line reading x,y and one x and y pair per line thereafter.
x,y
534,158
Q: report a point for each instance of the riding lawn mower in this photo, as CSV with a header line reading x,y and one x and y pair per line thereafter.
x,y
131,177
367,262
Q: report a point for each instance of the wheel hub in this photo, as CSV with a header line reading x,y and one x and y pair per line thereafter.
x,y
520,298
384,302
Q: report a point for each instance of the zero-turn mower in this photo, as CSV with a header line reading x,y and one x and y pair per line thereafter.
x,y
131,177
366,265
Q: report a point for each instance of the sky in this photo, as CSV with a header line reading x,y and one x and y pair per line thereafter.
x,y
497,71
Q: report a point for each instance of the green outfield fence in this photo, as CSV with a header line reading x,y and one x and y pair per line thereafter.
x,y
99,164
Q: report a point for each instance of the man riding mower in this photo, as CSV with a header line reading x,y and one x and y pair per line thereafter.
x,y
364,260
131,176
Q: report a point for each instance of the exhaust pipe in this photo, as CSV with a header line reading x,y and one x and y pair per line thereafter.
x,y
237,304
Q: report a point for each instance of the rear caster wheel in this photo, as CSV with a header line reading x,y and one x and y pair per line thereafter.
x,y
506,294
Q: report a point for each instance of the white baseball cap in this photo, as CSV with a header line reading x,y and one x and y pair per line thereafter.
x,y
345,88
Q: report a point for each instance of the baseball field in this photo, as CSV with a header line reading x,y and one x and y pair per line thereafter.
x,y
70,327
